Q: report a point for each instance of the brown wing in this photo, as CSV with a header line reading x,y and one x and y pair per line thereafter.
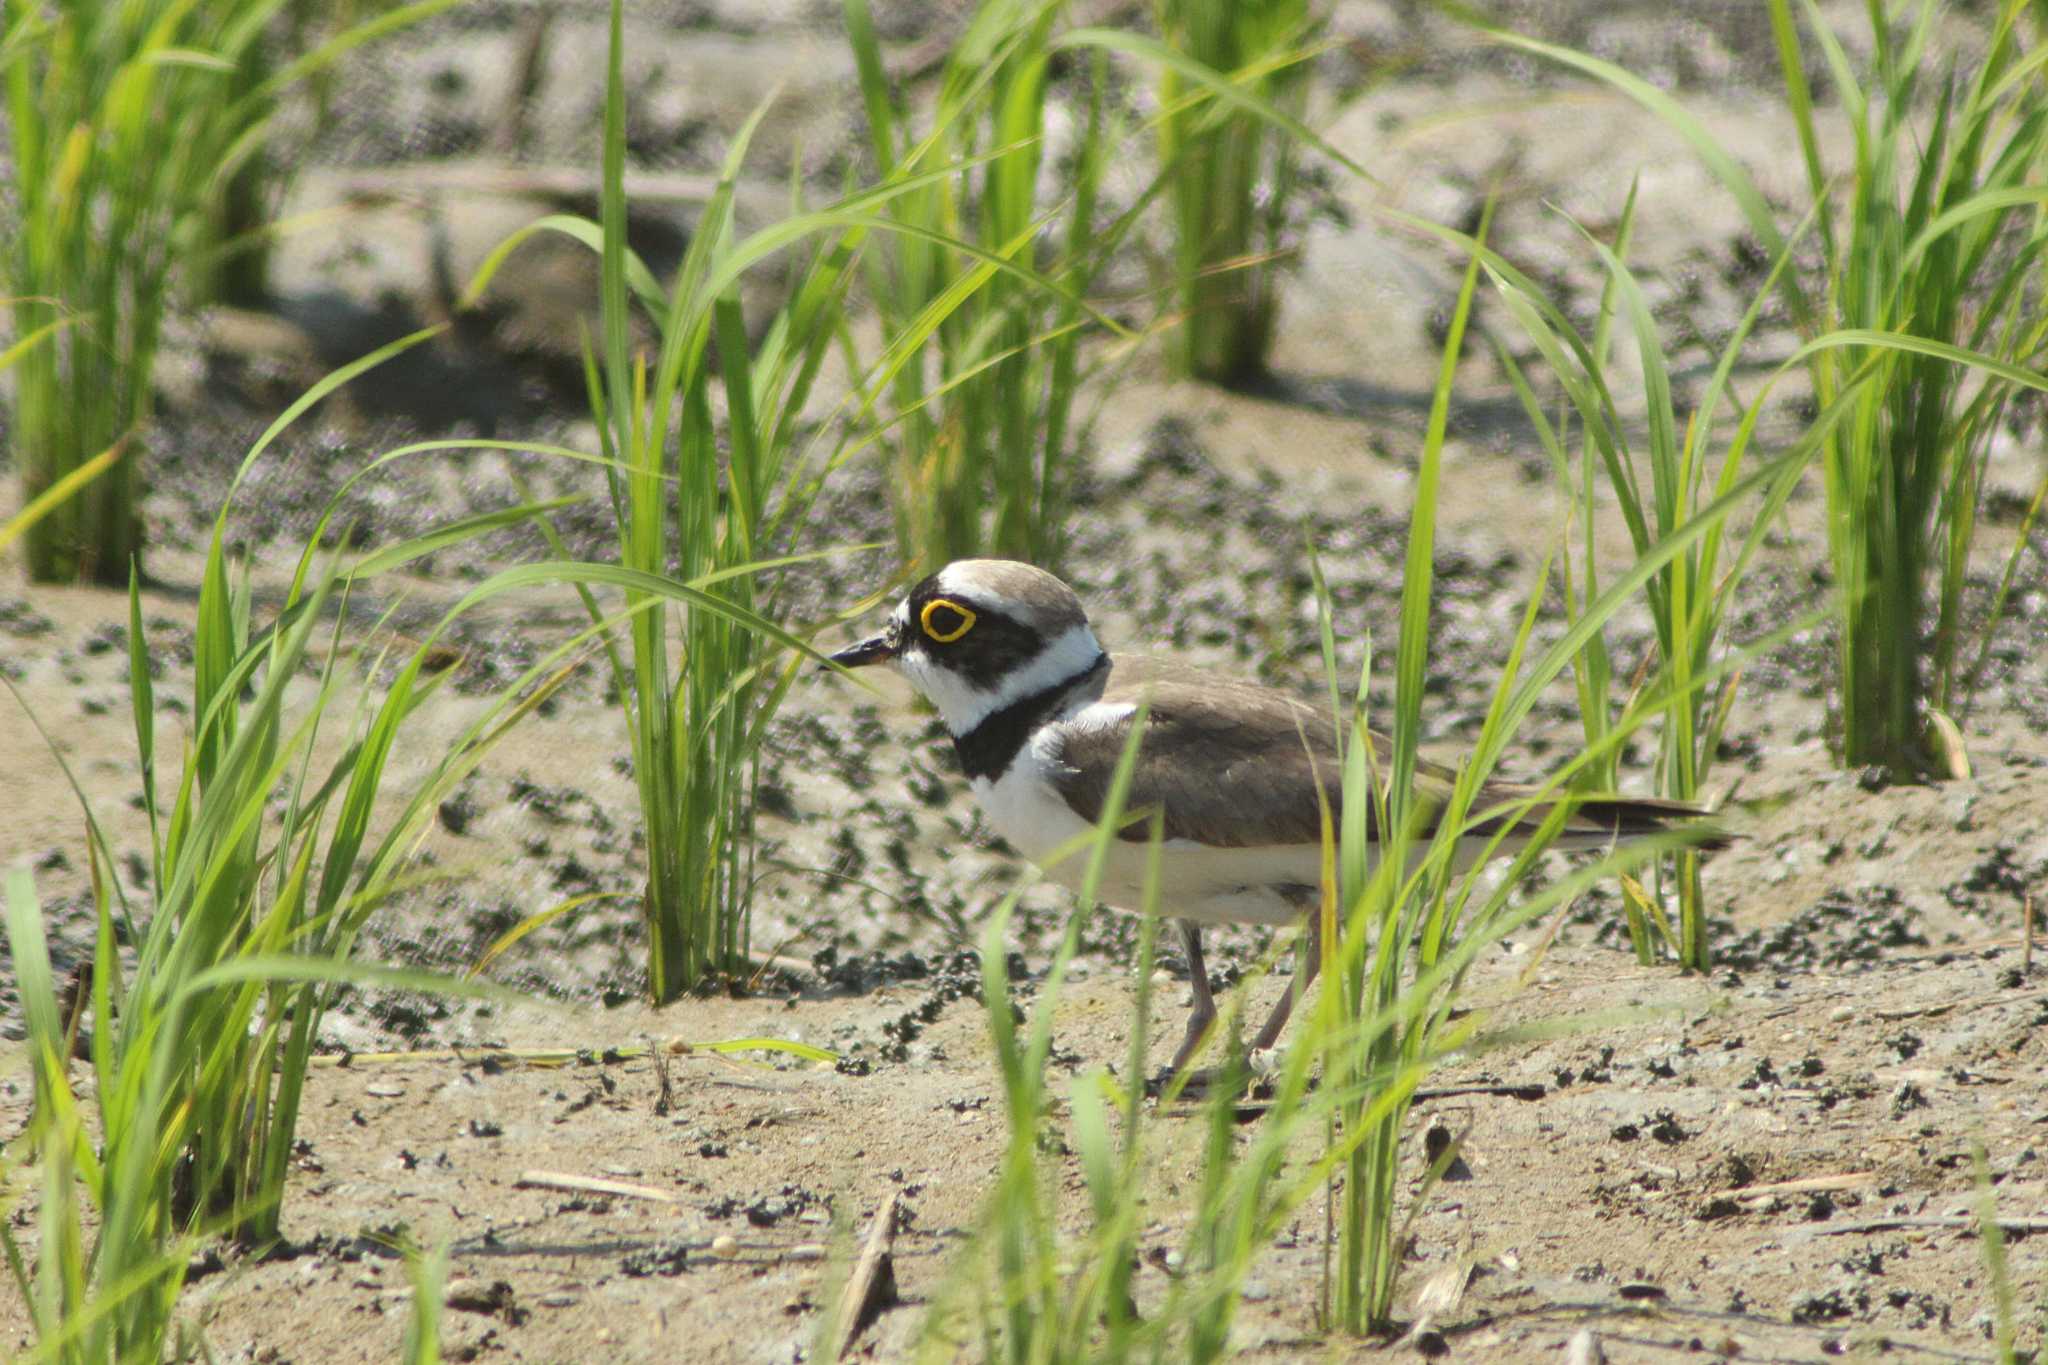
x,y
1226,763
1235,765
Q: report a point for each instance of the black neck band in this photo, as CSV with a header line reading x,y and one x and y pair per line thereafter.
x,y
986,750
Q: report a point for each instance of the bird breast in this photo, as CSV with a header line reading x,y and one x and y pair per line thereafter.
x,y
1258,885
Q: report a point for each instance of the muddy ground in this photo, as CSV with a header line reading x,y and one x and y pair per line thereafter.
x,y
1769,1163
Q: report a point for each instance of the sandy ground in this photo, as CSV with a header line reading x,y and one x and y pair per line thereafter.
x,y
1770,1163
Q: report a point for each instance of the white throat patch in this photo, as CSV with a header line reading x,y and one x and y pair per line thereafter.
x,y
963,705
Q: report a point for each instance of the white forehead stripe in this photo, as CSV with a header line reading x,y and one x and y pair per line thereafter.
x,y
972,577
964,706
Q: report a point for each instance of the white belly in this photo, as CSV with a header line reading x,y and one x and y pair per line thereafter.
x,y
1211,885
1196,881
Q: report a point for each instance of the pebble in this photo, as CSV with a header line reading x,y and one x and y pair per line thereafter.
x,y
725,1246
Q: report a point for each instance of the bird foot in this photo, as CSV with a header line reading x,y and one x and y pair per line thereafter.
x,y
1254,1080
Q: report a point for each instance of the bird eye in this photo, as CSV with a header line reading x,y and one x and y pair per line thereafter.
x,y
946,621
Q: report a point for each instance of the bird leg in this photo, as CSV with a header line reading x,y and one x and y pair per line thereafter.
x,y
1204,1012
1308,960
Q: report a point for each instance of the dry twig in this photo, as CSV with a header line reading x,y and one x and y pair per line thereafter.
x,y
590,1184
872,1285
1955,1223
1847,1180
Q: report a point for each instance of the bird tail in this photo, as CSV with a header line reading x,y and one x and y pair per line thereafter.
x,y
1597,820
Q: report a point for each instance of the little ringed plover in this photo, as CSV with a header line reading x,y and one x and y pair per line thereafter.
x,y
1040,715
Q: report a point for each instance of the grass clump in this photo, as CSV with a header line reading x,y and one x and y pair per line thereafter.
x,y
1692,456
979,285
997,237
1925,309
1940,242
1405,925
706,501
61,491
271,850
1234,176
696,722
264,866
122,119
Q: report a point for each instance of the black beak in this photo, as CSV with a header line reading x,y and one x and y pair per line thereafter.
x,y
873,650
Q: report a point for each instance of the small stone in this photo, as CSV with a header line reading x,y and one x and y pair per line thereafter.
x,y
1585,1349
725,1246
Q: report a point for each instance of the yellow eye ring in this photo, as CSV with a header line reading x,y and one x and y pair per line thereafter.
x,y
945,637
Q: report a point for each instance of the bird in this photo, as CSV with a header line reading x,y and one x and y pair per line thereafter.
x,y
1234,771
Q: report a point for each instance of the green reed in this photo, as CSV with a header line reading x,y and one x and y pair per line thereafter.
x,y
1941,241
1926,306
1689,461
697,724
276,843
268,851
709,498
59,492
987,273
1403,925
121,121
1234,176
428,1272
984,432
